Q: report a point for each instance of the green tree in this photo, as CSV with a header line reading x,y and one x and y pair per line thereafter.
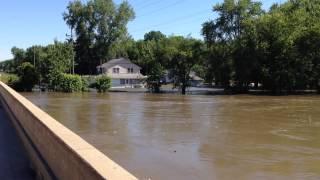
x,y
98,25
186,53
154,76
307,46
56,60
19,56
154,35
27,77
245,44
280,33
7,66
231,43
147,54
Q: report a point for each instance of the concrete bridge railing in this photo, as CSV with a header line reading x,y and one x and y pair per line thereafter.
x,y
55,151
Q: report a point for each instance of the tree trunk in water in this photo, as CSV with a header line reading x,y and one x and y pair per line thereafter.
x,y
318,86
256,85
157,89
183,89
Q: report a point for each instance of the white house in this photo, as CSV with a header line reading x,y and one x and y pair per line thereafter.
x,y
122,72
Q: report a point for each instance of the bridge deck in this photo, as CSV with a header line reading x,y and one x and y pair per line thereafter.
x,y
14,163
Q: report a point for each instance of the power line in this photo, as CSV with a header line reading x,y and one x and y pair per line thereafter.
x,y
182,18
163,8
185,32
189,22
141,2
150,3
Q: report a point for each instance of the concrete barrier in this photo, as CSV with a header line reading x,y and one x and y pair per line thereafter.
x,y
55,151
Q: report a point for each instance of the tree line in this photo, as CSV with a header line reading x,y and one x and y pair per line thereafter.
x,y
244,46
278,48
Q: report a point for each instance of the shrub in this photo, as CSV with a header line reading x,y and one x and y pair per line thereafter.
x,y
103,83
11,80
54,80
89,81
28,77
85,84
8,78
70,83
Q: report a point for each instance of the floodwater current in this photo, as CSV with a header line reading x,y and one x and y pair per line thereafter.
x,y
170,136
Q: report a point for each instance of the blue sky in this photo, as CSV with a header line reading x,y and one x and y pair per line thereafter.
x,y
25,23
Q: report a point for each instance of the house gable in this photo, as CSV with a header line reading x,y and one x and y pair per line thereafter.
x,y
122,69
125,63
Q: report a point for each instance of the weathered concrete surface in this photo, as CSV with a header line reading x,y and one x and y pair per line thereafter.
x,y
14,163
55,151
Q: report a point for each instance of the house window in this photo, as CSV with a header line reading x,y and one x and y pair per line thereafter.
x,y
122,81
130,70
115,70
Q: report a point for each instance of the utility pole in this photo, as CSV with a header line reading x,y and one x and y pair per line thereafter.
x,y
34,57
72,50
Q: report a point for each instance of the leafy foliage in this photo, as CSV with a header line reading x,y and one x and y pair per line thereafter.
x,y
154,35
185,55
98,25
7,66
28,77
103,83
155,75
247,45
9,79
70,83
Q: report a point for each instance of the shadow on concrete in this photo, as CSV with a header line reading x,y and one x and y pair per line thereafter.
x,y
14,163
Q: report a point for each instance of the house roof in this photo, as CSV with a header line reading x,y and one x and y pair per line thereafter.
x,y
194,76
121,62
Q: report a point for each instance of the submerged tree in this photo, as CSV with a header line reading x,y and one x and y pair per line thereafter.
x,y
186,53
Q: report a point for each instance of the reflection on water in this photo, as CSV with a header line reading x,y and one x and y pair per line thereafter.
x,y
196,137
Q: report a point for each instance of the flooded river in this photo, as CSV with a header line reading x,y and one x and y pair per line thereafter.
x,y
196,137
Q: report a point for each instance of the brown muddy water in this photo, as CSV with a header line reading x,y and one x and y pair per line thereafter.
x,y
196,137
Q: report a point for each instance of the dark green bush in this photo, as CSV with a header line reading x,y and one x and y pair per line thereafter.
x,y
85,84
54,80
28,77
70,83
103,83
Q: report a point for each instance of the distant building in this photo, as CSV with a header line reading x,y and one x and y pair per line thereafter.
x,y
123,73
167,77
194,80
